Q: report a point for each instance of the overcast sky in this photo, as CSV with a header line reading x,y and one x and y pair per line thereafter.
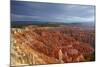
x,y
51,12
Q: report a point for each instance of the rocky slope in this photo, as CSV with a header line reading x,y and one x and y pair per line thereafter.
x,y
47,45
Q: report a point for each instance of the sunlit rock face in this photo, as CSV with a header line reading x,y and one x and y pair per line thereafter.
x,y
48,45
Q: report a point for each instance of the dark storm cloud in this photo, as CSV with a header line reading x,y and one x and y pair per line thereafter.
x,y
37,11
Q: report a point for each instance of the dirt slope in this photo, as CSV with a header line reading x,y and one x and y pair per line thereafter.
x,y
46,45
